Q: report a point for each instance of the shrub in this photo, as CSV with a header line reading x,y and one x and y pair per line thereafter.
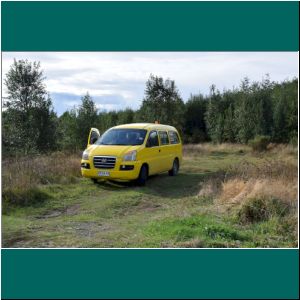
x,y
262,209
259,143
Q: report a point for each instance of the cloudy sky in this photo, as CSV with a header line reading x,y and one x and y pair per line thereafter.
x,y
116,80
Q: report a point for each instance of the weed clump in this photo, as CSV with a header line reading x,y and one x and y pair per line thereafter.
x,y
261,209
19,197
259,143
222,232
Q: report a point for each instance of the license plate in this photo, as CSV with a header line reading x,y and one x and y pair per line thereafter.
x,y
103,173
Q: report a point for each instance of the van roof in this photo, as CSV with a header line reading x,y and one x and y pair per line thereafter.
x,y
146,126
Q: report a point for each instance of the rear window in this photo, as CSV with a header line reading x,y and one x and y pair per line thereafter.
x,y
163,136
174,138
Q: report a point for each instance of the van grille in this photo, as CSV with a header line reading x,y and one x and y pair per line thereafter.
x,y
104,162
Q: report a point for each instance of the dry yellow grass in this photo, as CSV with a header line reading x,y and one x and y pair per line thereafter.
x,y
271,175
210,188
236,191
25,173
274,168
207,148
283,150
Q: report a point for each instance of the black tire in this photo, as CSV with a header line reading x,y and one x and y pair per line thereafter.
x,y
175,168
94,180
143,175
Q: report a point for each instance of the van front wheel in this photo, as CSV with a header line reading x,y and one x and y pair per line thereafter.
x,y
143,175
175,168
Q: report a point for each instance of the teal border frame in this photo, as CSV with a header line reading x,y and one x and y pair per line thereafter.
x,y
150,26
149,273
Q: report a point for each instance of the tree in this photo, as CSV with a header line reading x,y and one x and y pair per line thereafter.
x,y
194,119
86,118
215,115
68,130
292,114
126,116
229,125
46,123
162,102
285,112
280,130
30,119
246,113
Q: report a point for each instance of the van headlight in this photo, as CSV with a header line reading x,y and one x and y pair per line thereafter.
x,y
85,155
130,156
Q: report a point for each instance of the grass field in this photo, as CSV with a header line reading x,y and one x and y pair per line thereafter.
x,y
224,196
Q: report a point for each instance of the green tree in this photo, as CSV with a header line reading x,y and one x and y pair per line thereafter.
x,y
292,114
214,115
86,119
285,115
194,119
245,113
162,102
126,116
30,119
280,130
68,130
229,125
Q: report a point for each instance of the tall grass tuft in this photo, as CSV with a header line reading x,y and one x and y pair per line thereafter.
x,y
259,143
23,197
258,188
262,209
22,176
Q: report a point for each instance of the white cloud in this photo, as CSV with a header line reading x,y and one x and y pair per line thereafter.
x,y
123,74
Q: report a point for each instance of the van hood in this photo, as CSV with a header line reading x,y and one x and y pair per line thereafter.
x,y
111,150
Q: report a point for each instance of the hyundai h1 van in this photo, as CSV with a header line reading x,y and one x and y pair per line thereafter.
x,y
132,152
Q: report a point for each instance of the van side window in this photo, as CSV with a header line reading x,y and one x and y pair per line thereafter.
x,y
174,138
152,139
163,136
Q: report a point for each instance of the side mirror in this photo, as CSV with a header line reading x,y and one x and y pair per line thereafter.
x,y
148,144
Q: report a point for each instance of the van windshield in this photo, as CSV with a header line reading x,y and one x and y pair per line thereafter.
x,y
129,137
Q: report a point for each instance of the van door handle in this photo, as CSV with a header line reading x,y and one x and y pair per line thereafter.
x,y
158,150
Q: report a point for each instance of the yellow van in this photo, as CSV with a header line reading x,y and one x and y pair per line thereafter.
x,y
132,152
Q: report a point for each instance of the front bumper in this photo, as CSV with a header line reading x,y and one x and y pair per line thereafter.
x,y
117,172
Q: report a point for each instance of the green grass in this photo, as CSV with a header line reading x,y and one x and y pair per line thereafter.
x,y
167,212
201,230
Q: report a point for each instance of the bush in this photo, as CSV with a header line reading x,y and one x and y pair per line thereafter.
x,y
262,209
259,143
